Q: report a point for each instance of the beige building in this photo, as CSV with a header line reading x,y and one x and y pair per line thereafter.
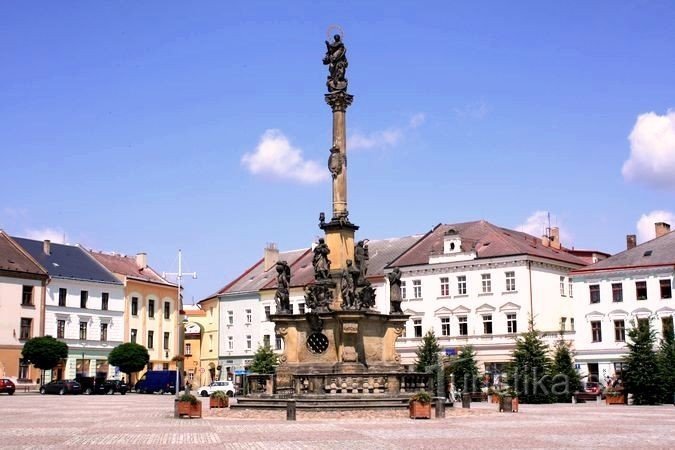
x,y
22,305
209,345
151,311
195,372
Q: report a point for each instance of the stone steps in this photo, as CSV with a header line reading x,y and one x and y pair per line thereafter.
x,y
323,403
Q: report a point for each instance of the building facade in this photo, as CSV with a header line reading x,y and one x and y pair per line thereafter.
x,y
194,372
209,322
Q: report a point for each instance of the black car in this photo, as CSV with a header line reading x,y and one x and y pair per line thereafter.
x,y
61,387
91,385
112,386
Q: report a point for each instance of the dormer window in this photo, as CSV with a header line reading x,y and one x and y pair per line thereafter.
x,y
452,242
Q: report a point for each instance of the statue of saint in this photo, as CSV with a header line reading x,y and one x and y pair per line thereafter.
x,y
395,291
335,162
361,257
281,296
347,287
336,59
322,220
320,260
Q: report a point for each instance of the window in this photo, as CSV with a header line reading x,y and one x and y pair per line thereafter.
x,y
167,310
249,342
596,331
249,316
666,288
104,332
594,289
486,281
487,324
403,290
24,332
165,366
620,368
134,334
619,331
268,311
463,325
83,331
510,281
643,323
60,329
151,339
417,288
445,326
167,337
62,296
511,323
23,369
569,288
617,292
188,349
230,343
151,308
230,317
266,340
417,327
27,296
301,308
84,296
572,323
563,323
641,290
290,308
461,285
277,341
667,327
104,301
562,286
134,306
445,286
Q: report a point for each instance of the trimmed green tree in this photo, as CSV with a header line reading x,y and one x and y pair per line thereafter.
x,y
666,363
465,370
564,377
641,378
528,375
129,357
264,360
428,357
44,352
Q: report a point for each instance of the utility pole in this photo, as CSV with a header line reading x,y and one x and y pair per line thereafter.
x,y
181,331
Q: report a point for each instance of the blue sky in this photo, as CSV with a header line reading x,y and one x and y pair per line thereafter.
x,y
124,125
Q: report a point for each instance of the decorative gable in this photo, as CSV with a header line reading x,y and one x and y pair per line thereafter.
x,y
509,306
410,312
442,311
594,315
641,313
485,308
461,309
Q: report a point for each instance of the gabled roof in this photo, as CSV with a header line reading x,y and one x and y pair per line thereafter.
x,y
487,240
67,261
657,252
127,266
14,259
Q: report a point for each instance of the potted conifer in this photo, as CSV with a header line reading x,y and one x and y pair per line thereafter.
x,y
420,406
218,399
188,405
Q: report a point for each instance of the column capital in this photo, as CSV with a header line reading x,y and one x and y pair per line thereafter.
x,y
339,101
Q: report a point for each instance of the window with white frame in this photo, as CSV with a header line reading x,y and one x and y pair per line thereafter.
x,y
230,317
487,323
230,342
417,288
463,325
266,340
562,286
277,341
596,331
570,292
268,312
301,308
445,286
403,291
249,342
249,316
445,326
417,327
510,281
511,323
486,281
461,285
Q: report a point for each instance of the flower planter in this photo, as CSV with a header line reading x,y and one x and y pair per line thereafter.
x,y
189,409
419,410
495,398
615,399
218,403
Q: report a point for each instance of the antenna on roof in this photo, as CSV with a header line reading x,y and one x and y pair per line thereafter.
x,y
548,228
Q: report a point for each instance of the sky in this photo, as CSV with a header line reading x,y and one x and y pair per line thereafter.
x,y
156,126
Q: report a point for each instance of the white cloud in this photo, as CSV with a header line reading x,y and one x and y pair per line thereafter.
x,y
645,226
476,110
389,137
42,234
275,156
652,151
537,223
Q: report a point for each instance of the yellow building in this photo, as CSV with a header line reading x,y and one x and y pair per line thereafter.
x,y
195,372
209,344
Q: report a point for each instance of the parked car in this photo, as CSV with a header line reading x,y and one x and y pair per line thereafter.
x,y
61,387
593,387
157,381
224,386
112,386
90,385
7,386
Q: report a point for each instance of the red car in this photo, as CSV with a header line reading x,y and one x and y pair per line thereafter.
x,y
7,386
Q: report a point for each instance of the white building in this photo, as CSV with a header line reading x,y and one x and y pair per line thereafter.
x,y
616,293
84,307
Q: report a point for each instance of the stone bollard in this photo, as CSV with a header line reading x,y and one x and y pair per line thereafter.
x,y
574,399
598,400
466,400
440,407
290,410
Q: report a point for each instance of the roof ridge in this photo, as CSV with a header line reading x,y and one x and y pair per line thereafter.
x,y
417,242
21,250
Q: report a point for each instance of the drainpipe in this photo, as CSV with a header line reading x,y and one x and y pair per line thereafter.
x,y
530,324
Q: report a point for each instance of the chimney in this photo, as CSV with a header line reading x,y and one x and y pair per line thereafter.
x,y
545,241
271,256
47,247
555,238
142,260
661,228
631,241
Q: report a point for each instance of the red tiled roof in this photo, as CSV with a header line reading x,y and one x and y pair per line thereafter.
x,y
126,266
14,259
488,241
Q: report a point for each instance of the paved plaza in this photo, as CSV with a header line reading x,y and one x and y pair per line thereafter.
x,y
146,421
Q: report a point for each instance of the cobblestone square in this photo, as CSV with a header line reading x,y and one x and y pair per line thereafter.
x,y
146,421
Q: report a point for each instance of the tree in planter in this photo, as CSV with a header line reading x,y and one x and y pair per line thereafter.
x,y
264,360
666,362
528,374
642,375
564,377
44,352
465,370
428,357
129,357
